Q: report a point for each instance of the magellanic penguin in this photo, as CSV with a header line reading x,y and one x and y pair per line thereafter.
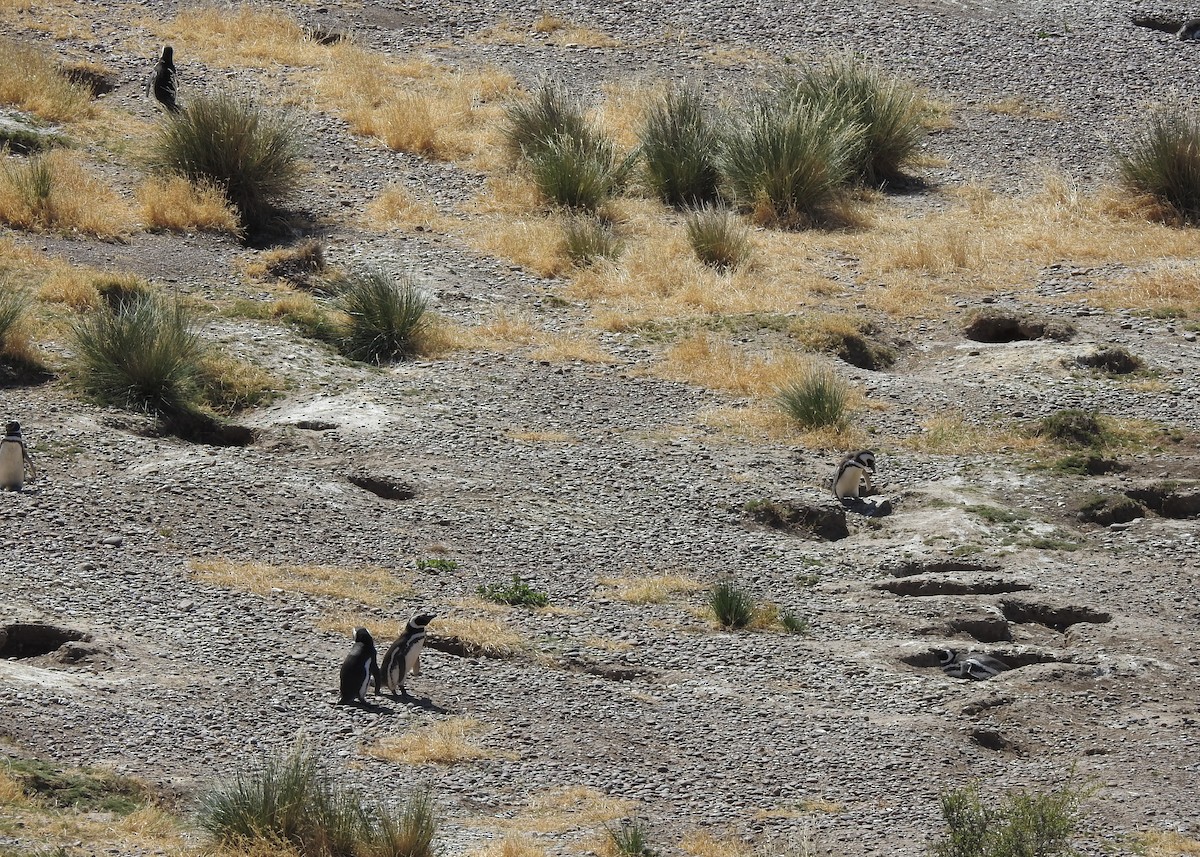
x,y
852,471
359,668
972,666
162,85
14,459
403,657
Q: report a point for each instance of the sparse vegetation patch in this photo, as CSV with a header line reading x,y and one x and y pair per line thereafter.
x,y
517,593
1165,162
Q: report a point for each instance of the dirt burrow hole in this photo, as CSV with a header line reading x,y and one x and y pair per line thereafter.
x,y
21,641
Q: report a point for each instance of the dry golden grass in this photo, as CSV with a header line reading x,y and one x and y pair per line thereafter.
x,y
177,205
53,191
143,830
623,111
245,34
570,348
505,32
417,105
74,287
1169,287
1167,843
345,621
510,846
565,809
952,434
533,242
11,792
397,207
706,361
370,585
440,742
30,80
491,637
701,844
762,421
1014,105
573,35
235,384
654,589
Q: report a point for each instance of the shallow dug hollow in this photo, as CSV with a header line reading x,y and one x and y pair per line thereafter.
x,y
1169,499
1058,617
996,326
20,641
924,586
913,567
822,521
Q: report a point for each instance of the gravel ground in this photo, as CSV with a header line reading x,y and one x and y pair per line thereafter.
x,y
569,473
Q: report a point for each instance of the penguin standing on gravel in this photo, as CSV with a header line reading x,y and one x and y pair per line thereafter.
x,y
403,657
14,459
359,667
972,666
162,85
852,471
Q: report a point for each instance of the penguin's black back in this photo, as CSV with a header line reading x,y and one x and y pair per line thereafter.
x,y
358,666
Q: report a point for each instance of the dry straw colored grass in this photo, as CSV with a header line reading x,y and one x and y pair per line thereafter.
x,y
177,205
239,35
707,361
987,243
1015,105
371,585
30,80
73,287
72,200
417,105
652,589
565,809
439,742
1172,286
701,844
397,207
491,637
1167,843
509,846
762,421
953,434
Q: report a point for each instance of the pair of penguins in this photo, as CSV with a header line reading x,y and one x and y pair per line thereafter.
x,y
402,659
14,459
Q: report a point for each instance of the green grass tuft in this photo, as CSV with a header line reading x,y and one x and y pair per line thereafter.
x,y
732,607
629,839
888,110
680,148
532,124
818,399
578,173
232,143
84,789
587,239
1073,427
144,354
386,317
1164,162
718,237
518,593
789,162
793,624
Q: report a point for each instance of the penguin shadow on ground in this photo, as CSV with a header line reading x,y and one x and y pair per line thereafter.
x,y
424,703
869,507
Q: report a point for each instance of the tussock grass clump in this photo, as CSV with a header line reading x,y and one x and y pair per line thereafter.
x,y
680,148
532,124
30,80
1164,162
15,347
386,317
1025,824
292,801
53,191
1073,427
630,839
817,399
719,239
888,110
787,162
732,607
143,354
586,239
578,172
232,143
792,623
175,204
